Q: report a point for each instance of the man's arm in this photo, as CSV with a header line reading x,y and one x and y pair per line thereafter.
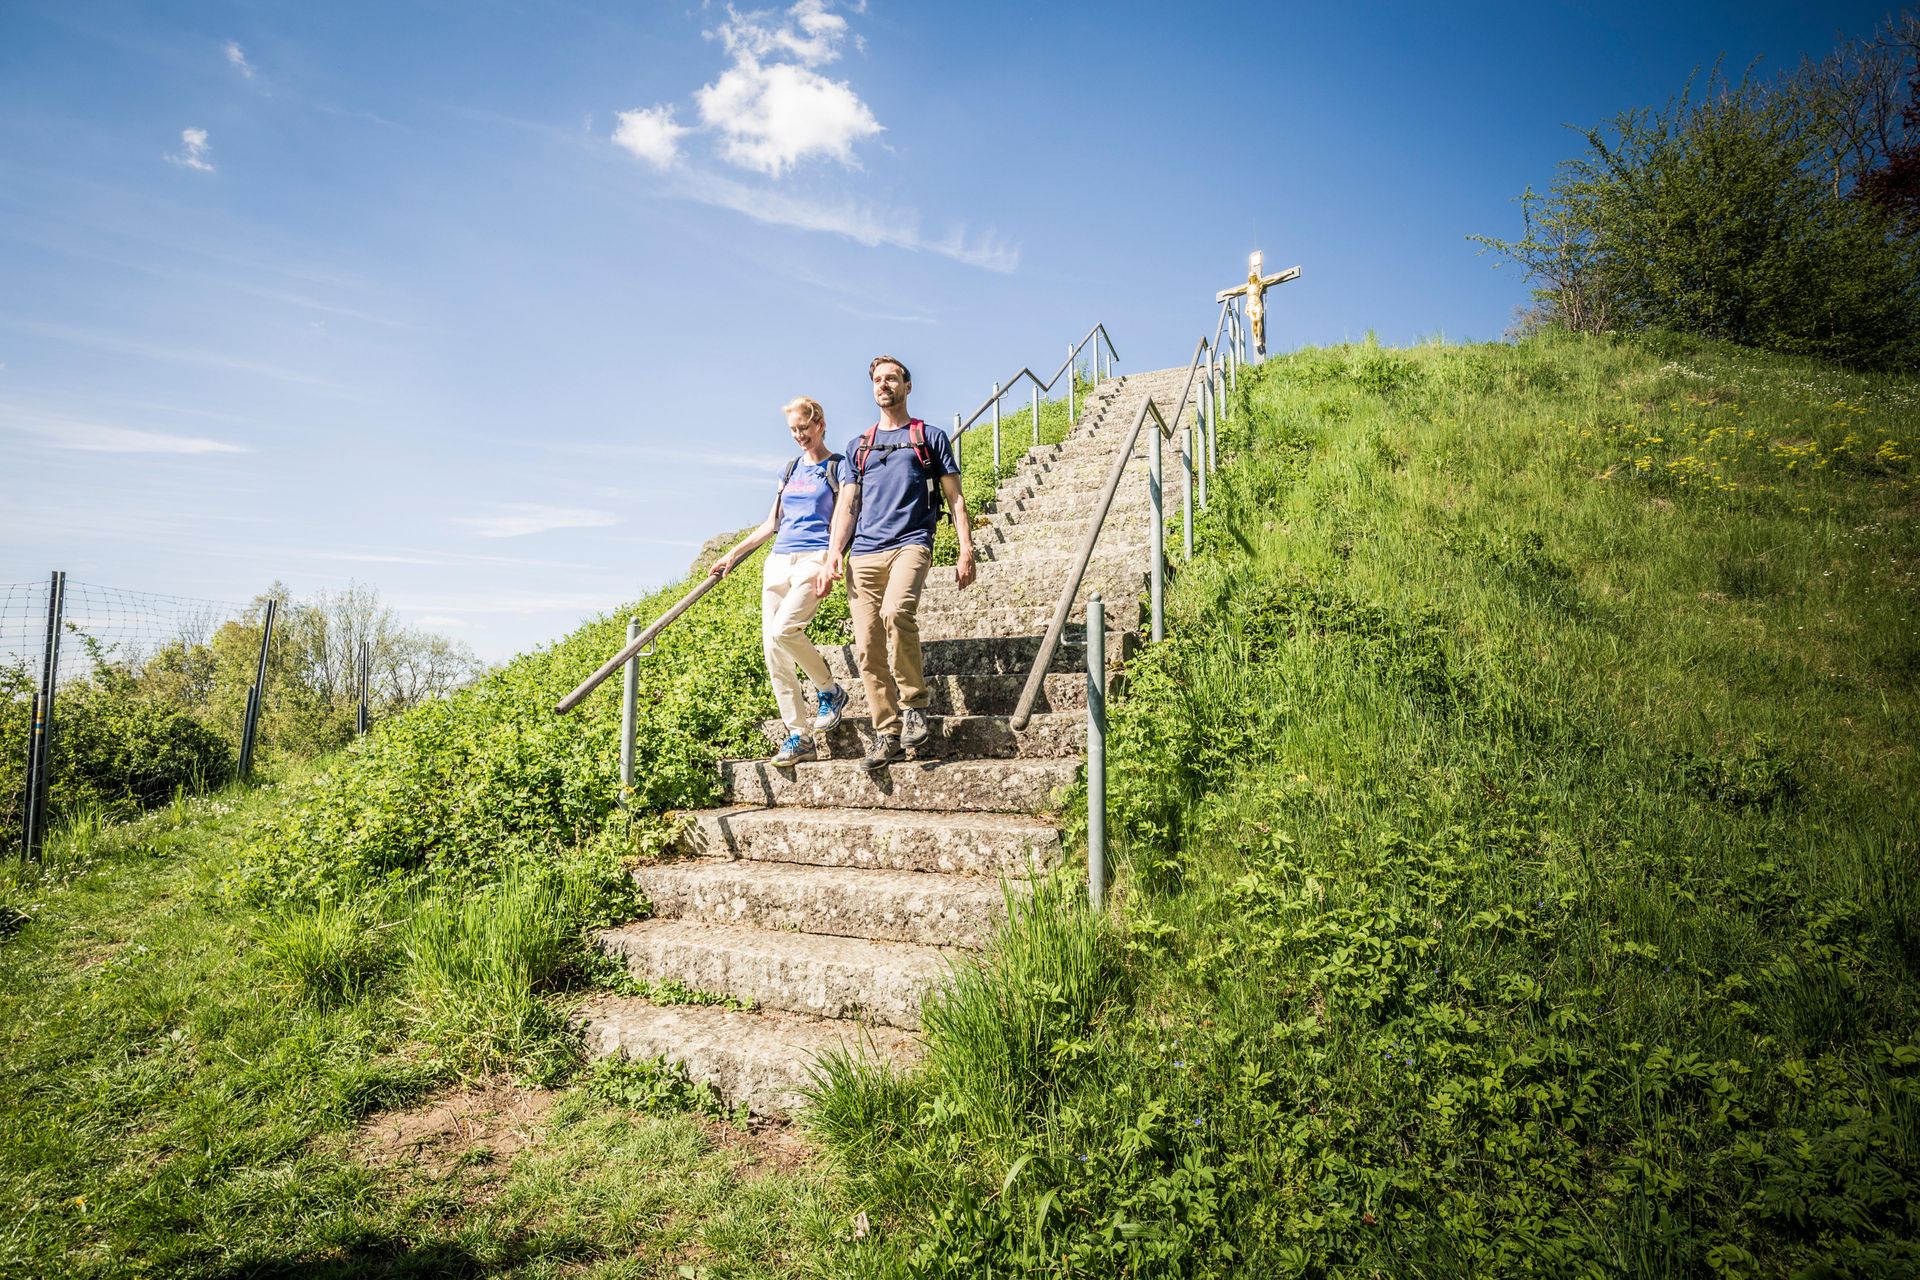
x,y
962,528
838,536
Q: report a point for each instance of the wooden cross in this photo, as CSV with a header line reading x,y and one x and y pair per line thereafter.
x,y
1255,290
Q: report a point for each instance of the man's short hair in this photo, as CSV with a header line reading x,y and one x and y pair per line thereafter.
x,y
877,361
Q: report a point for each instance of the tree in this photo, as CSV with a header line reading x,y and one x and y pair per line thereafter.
x,y
1721,214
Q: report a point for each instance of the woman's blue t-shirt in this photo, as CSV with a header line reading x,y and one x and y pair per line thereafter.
x,y
806,507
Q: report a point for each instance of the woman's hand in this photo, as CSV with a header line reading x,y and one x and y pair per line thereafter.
x,y
721,567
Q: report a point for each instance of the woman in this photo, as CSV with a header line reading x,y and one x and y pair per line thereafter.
x,y
801,516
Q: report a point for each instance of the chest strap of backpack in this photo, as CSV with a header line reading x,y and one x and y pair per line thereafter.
x,y
916,440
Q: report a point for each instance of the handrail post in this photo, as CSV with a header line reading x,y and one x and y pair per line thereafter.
x,y
1186,496
1234,355
1096,753
1071,374
1036,413
956,444
1157,541
996,428
1197,440
629,714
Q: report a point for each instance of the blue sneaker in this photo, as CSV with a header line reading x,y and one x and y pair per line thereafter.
x,y
833,704
796,746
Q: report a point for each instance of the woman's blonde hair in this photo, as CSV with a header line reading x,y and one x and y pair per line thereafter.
x,y
807,407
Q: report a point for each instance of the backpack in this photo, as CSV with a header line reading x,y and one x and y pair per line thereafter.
x,y
833,481
922,453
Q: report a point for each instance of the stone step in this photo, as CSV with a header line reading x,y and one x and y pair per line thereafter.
x,y
987,737
991,655
945,613
1066,543
763,1061
823,977
983,695
989,844
1032,619
981,786
925,907
1035,572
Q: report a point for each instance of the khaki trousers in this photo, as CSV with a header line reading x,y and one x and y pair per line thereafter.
x,y
883,594
787,605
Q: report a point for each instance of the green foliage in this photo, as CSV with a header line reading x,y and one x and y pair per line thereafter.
x,y
1500,895
1717,215
653,1086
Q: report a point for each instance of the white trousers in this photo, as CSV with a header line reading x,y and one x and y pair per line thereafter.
x,y
787,605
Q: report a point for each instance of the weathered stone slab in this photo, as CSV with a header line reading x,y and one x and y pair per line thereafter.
x,y
926,907
989,844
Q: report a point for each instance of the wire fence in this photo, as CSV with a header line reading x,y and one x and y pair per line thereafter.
x,y
103,624
140,699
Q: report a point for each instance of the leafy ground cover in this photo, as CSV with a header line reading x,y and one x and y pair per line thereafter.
x,y
1515,841
202,1011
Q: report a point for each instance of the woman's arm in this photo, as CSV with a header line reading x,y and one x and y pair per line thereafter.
x,y
744,548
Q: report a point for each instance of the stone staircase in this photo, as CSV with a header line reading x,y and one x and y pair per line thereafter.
x,y
833,900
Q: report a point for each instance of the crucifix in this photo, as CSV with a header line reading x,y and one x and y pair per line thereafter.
x,y
1255,290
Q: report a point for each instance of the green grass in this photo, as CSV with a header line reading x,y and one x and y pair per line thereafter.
x,y
1515,847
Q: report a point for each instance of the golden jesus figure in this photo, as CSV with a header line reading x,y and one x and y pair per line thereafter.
x,y
1256,289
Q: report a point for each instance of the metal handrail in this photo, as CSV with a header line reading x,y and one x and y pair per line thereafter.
x,y
634,646
1099,330
1050,644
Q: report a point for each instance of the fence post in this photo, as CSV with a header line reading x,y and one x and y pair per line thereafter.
x,y
1186,496
629,713
1157,537
366,678
957,466
1036,413
40,744
256,696
996,428
1096,753
1071,373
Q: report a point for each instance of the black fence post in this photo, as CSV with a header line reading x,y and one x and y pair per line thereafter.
x,y
256,696
366,678
40,744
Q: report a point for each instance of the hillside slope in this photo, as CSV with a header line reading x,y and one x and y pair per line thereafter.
x,y
1518,843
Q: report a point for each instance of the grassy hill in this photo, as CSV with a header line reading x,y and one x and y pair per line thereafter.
x,y
1516,847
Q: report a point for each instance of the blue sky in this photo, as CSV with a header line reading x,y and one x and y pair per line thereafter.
x,y
491,305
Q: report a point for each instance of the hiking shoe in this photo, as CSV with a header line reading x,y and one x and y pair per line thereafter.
x,y
886,751
913,727
833,704
796,746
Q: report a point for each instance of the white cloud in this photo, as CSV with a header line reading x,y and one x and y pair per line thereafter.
x,y
518,519
811,36
94,437
195,154
772,117
772,110
237,58
650,134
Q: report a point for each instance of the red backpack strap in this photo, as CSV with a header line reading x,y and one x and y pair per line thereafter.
x,y
917,435
863,451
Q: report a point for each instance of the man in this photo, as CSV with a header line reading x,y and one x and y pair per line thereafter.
x,y
883,526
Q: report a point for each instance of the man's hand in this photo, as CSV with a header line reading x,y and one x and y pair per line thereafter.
x,y
963,572
823,581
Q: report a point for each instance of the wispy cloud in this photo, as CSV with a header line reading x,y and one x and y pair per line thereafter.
x,y
519,519
440,559
98,437
121,344
237,59
867,224
193,153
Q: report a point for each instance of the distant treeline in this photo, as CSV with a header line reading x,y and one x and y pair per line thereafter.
x,y
1780,213
139,727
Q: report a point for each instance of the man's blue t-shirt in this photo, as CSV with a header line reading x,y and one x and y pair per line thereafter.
x,y
895,510
806,507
